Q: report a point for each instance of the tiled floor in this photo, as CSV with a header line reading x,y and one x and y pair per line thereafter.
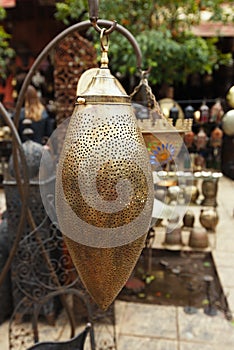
x,y
158,327
155,327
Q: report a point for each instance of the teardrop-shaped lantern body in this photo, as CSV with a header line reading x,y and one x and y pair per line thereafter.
x,y
104,188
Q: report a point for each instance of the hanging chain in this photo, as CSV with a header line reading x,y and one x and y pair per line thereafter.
x,y
151,100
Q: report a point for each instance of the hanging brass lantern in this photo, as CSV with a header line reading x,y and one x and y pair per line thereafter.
x,y
104,186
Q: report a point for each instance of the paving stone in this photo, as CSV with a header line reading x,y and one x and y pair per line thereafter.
x,y
204,346
104,338
229,293
223,259
226,276
120,308
149,321
225,244
140,343
202,328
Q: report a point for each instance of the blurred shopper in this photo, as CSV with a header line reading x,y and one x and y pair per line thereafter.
x,y
34,110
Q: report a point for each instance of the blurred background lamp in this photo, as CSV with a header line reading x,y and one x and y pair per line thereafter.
x,y
228,123
230,96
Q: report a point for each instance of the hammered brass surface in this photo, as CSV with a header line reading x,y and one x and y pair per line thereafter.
x,y
107,179
104,178
104,271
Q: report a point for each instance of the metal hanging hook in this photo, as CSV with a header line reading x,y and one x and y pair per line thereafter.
x,y
107,31
144,74
104,40
104,47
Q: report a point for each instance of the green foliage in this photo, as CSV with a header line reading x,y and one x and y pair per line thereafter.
x,y
70,10
162,30
2,13
171,61
6,52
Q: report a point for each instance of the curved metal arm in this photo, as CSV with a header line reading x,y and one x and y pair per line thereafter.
x,y
25,214
23,185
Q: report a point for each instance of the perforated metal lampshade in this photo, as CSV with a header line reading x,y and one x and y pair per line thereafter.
x,y
104,188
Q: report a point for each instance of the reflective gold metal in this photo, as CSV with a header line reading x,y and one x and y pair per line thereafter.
x,y
167,103
104,271
104,88
84,80
104,185
209,219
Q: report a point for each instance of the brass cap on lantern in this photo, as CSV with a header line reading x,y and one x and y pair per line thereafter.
x,y
104,88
